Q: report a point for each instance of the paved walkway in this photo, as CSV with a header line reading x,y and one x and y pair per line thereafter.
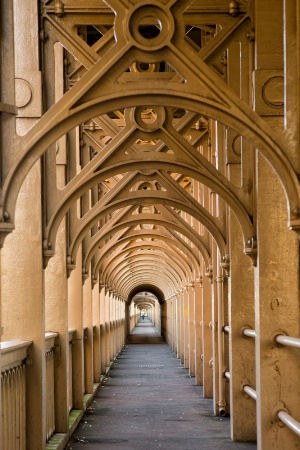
x,y
150,402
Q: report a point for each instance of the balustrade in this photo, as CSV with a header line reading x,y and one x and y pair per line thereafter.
x,y
50,404
13,394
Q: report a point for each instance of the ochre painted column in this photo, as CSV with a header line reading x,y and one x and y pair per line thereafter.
x,y
88,337
102,330
186,331
177,324
22,288
96,332
198,333
276,312
112,325
214,326
180,325
22,308
191,320
207,337
75,307
241,349
107,328
56,320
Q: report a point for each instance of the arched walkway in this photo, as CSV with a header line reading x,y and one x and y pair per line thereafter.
x,y
149,164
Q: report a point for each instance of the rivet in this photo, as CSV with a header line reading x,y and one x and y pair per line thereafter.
x,y
234,8
59,8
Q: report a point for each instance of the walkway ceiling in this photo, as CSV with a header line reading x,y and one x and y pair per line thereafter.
x,y
143,83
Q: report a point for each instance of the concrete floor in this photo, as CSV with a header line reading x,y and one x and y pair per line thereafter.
x,y
149,402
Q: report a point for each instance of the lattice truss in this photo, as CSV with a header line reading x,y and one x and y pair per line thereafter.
x,y
150,119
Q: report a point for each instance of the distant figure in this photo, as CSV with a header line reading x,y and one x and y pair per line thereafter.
x,y
143,315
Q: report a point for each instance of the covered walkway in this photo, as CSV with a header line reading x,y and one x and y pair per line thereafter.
x,y
140,405
149,164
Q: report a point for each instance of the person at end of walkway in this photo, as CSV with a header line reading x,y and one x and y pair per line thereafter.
x,y
143,315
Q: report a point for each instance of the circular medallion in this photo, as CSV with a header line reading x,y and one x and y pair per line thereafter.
x,y
151,27
23,92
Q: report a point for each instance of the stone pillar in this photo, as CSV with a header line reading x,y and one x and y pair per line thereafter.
x,y
191,319
164,319
198,333
117,324
174,324
88,337
96,332
127,320
112,325
75,313
107,328
207,336
22,265
186,331
56,318
214,325
276,311
177,323
181,326
241,315
22,308
102,330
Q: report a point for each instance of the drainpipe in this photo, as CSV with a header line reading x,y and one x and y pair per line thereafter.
x,y
221,379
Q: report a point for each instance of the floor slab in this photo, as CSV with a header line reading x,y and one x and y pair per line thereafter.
x,y
148,401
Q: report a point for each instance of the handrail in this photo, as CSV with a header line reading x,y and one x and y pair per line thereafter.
x,y
72,331
289,421
249,332
49,341
288,341
13,353
250,391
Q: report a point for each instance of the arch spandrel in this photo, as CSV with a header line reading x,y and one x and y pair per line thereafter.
x,y
146,163
116,200
167,264
158,199
165,277
191,255
140,253
176,249
186,230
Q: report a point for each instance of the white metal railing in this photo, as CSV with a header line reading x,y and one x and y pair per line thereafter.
x,y
250,391
288,341
248,332
50,402
289,421
13,394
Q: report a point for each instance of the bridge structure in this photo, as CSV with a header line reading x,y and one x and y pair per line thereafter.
x,y
149,164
